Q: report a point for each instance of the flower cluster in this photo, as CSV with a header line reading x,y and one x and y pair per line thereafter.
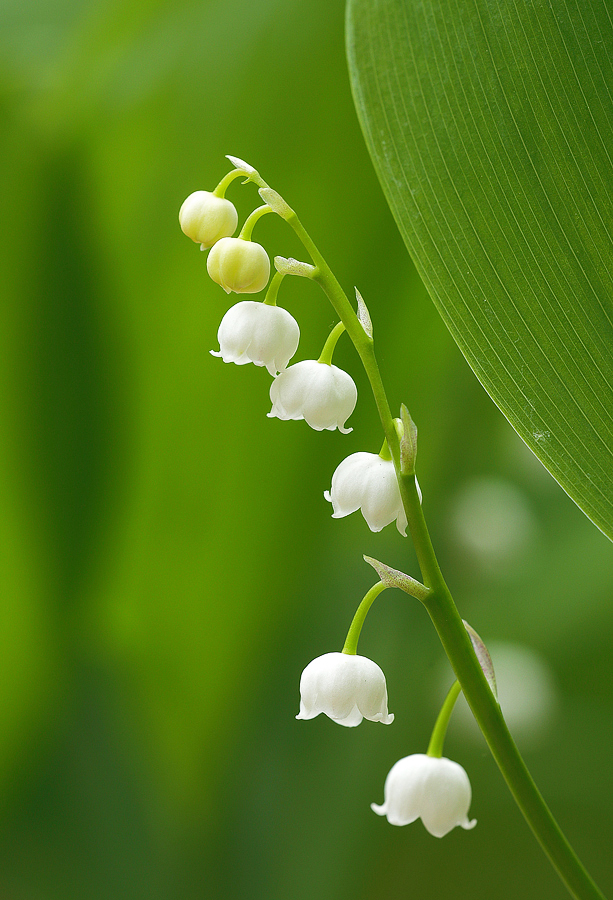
x,y
344,686
267,335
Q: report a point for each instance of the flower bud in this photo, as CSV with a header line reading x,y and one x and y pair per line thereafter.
x,y
239,265
206,218
437,790
321,394
254,332
346,687
367,482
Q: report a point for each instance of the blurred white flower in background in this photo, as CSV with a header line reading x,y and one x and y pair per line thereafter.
x,y
526,691
492,520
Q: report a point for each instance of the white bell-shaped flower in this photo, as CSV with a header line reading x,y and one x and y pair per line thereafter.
x,y
346,687
206,218
367,482
239,265
255,332
437,790
321,394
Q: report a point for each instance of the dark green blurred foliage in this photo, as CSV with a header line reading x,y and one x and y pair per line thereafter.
x,y
169,564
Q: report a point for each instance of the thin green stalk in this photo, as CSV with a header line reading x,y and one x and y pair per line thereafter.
x,y
330,345
273,289
351,641
245,232
437,741
226,181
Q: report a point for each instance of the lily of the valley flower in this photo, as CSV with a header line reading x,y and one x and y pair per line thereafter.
x,y
321,394
435,789
239,265
206,218
346,687
367,482
255,332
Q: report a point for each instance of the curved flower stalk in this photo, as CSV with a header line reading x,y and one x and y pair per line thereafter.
x,y
239,265
346,687
206,218
255,332
321,394
366,481
433,789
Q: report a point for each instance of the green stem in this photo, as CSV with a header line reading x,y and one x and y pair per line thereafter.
x,y
273,289
222,187
245,232
441,607
329,346
351,642
437,741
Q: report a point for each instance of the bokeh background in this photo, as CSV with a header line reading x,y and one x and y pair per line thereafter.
x,y
169,564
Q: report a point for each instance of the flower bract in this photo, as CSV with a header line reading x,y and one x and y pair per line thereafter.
x,y
254,332
321,394
346,687
367,482
206,218
437,790
239,265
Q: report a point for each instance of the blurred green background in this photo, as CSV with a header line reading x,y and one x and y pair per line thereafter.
x,y
169,564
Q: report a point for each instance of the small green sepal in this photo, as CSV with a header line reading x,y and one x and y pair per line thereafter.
x,y
483,655
394,578
363,314
242,165
408,442
276,202
294,267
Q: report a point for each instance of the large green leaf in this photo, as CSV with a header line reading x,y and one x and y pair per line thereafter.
x,y
491,129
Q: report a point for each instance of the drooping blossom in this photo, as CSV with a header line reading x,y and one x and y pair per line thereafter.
x,y
345,687
321,394
254,332
433,789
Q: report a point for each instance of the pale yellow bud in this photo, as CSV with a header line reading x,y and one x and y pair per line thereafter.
x,y
239,265
206,218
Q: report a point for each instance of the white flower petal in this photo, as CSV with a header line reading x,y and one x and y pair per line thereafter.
x,y
437,790
345,687
255,332
323,395
367,482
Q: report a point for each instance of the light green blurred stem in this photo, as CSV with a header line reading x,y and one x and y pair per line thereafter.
x,y
353,635
437,741
442,609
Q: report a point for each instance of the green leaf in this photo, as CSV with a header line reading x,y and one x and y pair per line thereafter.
x,y
491,129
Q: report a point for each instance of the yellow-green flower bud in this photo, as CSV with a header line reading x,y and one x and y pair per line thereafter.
x,y
206,218
239,265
